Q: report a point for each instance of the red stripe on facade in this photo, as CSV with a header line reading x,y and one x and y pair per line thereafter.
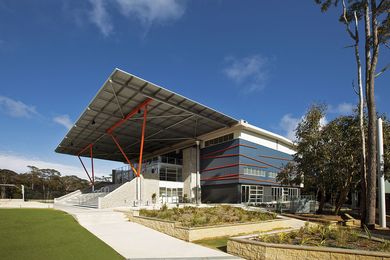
x,y
251,179
243,155
230,147
220,156
225,177
273,166
276,158
232,165
235,176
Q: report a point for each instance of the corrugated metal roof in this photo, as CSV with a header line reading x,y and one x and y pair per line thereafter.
x,y
171,119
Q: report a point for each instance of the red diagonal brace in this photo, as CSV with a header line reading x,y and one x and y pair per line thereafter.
x,y
141,149
124,155
129,115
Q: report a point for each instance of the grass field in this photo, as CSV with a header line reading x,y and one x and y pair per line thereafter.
x,y
218,243
48,234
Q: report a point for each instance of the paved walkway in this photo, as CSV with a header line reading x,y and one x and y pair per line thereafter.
x,y
134,241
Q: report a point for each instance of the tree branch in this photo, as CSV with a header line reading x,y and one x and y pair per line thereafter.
x,y
380,4
346,21
354,89
382,70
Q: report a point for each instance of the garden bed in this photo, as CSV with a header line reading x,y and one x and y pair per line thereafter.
x,y
314,242
210,216
190,223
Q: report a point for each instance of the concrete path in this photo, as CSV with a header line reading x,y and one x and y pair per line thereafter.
x,y
134,241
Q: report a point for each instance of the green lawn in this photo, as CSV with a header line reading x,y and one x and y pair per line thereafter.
x,y
48,234
218,243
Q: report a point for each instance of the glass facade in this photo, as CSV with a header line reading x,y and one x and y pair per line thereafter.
x,y
169,172
256,194
171,195
167,168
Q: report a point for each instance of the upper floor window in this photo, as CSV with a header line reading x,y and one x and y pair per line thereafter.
x,y
219,140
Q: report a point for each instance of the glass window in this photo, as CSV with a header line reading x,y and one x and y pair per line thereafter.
x,y
219,140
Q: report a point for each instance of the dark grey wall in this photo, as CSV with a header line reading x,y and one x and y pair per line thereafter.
x,y
224,193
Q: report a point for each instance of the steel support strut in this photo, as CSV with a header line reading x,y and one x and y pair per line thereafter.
x,y
91,179
141,148
124,154
109,131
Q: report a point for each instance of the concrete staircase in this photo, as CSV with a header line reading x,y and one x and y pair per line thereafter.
x,y
89,200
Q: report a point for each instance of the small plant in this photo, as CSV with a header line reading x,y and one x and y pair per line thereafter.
x,y
164,207
385,245
154,198
368,233
185,198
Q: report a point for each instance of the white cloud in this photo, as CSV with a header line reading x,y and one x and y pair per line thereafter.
x,y
289,124
342,108
19,163
147,12
100,17
250,72
16,108
151,11
63,120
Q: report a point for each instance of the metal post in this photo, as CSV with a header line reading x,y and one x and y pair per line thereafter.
x,y
197,173
23,192
92,169
381,178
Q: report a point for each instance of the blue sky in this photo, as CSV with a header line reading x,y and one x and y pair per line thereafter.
x,y
262,61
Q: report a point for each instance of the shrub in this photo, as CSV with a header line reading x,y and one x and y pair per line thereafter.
x,y
193,216
325,235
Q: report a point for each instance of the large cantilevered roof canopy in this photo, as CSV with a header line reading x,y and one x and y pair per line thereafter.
x,y
117,109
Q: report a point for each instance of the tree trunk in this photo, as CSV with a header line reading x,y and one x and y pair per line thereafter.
x,y
343,194
340,202
322,200
363,171
371,43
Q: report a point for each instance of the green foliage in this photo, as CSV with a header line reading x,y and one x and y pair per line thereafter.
x,y
39,183
368,232
382,13
328,156
325,235
195,217
48,234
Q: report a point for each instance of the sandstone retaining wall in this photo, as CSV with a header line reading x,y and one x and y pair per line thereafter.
x,y
250,249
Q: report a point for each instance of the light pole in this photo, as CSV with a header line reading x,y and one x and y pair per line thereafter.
x,y
197,173
381,178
